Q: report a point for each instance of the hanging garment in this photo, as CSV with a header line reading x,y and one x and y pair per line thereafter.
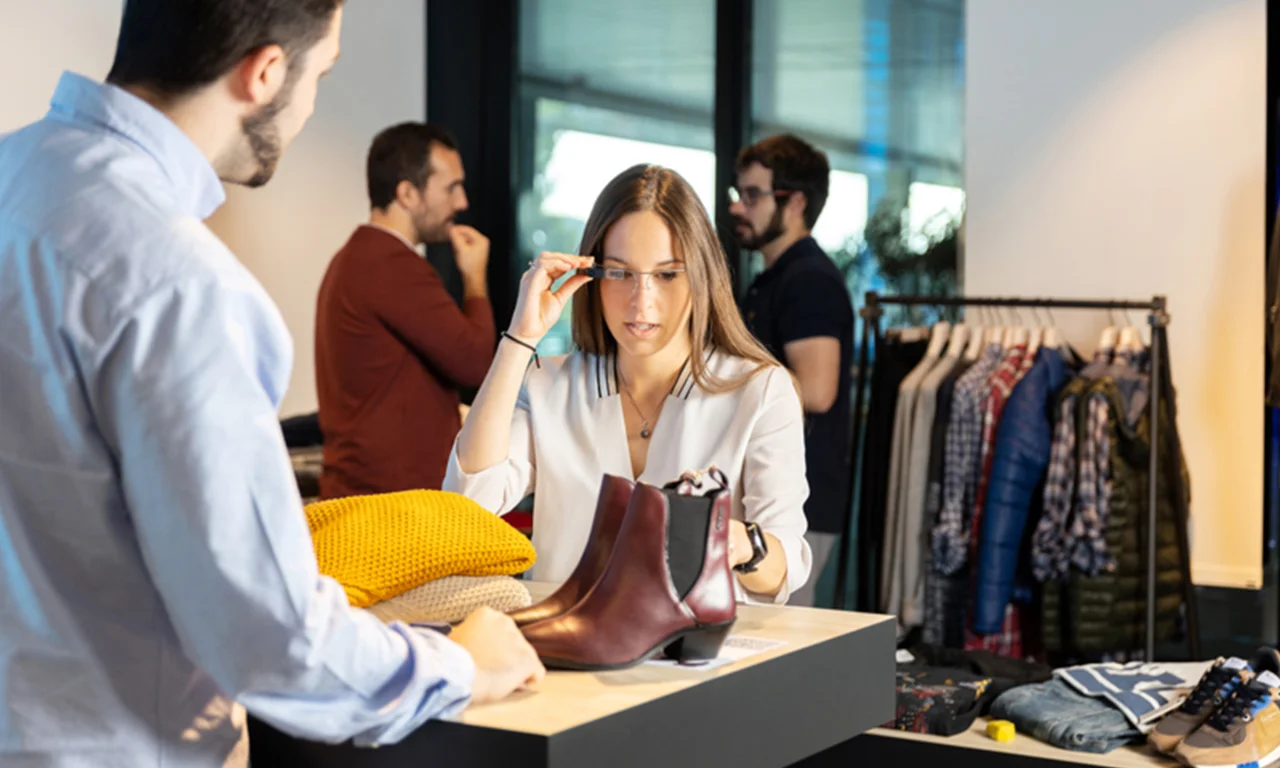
x,y
937,606
908,392
1014,491
906,583
1087,616
894,360
964,443
1008,640
1050,553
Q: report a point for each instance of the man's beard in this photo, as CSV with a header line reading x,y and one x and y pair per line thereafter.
x,y
752,242
433,234
263,136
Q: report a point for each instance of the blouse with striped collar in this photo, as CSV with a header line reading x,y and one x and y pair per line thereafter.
x,y
568,431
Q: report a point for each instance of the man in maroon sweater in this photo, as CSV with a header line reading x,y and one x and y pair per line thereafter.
x,y
392,346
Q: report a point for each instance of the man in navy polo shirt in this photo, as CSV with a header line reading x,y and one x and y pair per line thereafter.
x,y
799,308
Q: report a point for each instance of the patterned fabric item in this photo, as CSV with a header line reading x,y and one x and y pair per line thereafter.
x,y
942,702
381,546
946,603
1142,692
453,598
1085,542
964,441
999,386
1048,555
1007,642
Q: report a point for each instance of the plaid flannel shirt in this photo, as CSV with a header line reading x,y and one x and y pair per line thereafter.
x,y
1085,538
1088,530
1016,363
963,445
1051,548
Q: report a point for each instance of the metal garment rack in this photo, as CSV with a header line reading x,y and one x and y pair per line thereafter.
x,y
1157,318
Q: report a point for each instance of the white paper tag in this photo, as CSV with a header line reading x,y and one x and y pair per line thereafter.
x,y
735,648
1235,663
1269,679
904,656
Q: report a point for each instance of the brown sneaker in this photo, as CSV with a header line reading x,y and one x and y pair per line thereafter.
x,y
1245,731
1215,686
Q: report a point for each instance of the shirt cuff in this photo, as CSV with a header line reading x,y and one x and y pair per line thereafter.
x,y
488,487
458,669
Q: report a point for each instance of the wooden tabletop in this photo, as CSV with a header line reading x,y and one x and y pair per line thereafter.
x,y
565,700
1028,746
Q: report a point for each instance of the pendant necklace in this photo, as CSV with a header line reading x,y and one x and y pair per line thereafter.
x,y
644,420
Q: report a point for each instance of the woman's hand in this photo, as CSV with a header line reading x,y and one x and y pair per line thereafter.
x,y
538,307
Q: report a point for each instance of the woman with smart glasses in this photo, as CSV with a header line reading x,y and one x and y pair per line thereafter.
x,y
666,379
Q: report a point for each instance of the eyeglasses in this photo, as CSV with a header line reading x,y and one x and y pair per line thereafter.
x,y
660,278
753,195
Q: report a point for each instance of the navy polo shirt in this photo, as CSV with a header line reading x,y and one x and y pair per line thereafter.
x,y
803,296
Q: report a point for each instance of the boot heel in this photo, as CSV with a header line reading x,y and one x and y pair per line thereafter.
x,y
702,644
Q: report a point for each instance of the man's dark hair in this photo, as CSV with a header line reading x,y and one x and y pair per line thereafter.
x,y
797,166
402,153
177,46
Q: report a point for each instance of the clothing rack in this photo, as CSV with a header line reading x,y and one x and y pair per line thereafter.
x,y
1157,318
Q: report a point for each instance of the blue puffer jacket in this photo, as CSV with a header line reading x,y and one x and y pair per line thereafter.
x,y
1015,487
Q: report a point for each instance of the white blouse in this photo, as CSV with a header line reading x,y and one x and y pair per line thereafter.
x,y
568,431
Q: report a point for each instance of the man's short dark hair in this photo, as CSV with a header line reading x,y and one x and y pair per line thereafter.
x,y
177,46
402,153
796,166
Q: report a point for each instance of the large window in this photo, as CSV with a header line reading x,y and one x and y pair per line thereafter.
x,y
879,85
603,87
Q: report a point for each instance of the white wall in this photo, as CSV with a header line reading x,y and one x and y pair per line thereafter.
x,y
1118,150
286,232
40,40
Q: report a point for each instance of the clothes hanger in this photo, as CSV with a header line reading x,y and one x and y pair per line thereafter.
x,y
1052,334
959,340
1010,329
977,337
1110,334
1037,334
1130,336
1020,335
938,339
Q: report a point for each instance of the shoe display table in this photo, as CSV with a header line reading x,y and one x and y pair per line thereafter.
x,y
881,746
832,680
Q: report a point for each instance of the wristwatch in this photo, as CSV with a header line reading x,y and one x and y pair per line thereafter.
x,y
759,549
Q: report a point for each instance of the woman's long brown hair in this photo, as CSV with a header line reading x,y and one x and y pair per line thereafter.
x,y
715,321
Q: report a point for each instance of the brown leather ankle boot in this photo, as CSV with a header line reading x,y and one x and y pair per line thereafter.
x,y
668,585
611,507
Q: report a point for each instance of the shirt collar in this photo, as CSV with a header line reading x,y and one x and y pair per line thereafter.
x,y
196,185
394,234
801,248
607,383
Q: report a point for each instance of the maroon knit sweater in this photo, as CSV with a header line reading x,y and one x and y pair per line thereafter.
x,y
392,349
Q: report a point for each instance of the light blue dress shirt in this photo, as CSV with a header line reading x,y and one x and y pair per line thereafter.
x,y
156,570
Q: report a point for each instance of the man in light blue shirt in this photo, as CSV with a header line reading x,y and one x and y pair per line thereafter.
x,y
156,571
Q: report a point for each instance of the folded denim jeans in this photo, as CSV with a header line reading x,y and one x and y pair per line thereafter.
x,y
1056,714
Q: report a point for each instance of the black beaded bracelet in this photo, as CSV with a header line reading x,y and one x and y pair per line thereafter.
x,y
526,345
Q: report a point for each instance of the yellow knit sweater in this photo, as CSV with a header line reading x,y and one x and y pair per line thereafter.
x,y
378,547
